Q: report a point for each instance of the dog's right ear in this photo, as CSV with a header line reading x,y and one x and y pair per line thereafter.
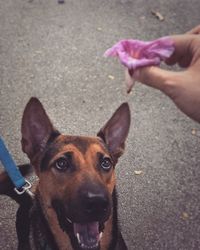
x,y
36,128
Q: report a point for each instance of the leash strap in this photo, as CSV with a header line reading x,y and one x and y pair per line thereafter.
x,y
21,185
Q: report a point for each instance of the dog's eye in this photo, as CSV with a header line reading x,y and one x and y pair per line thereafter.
x,y
62,164
106,164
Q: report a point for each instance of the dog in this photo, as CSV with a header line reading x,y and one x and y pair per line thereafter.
x,y
75,199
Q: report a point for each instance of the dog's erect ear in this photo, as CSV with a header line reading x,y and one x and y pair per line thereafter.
x,y
115,131
36,128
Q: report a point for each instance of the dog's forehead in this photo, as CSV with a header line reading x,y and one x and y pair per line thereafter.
x,y
77,144
82,143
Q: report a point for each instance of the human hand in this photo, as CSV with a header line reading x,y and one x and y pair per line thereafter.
x,y
195,30
182,87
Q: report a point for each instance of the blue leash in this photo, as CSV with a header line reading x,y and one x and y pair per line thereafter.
x,y
20,183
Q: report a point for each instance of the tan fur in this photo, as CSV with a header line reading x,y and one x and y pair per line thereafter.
x,y
61,237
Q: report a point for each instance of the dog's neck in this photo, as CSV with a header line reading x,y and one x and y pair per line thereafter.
x,y
61,240
41,237
53,235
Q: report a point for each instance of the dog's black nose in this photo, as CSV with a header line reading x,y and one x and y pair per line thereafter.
x,y
95,203
91,203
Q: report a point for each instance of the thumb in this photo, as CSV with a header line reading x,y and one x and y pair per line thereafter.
x,y
155,77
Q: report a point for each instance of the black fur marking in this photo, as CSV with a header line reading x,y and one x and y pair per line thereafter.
x,y
53,136
50,151
66,226
23,222
115,229
43,237
81,143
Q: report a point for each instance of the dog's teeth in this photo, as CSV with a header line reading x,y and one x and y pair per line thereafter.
x,y
78,237
100,236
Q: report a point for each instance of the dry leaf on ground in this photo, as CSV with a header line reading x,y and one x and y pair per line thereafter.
x,y
111,77
138,172
158,15
194,131
185,216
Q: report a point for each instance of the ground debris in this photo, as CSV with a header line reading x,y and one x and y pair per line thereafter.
x,y
193,131
158,15
111,77
138,172
185,216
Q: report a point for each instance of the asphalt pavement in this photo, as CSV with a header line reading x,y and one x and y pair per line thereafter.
x,y
54,52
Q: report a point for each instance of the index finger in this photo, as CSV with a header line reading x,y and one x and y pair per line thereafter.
x,y
194,31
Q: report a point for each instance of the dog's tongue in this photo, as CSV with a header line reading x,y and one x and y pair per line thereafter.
x,y
87,235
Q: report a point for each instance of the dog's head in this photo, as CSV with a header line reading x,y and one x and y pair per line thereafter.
x,y
76,173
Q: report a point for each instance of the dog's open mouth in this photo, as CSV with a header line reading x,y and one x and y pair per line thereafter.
x,y
84,235
88,235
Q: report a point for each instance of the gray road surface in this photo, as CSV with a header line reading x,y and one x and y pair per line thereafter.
x,y
55,52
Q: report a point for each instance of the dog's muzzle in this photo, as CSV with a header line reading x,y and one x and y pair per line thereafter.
x,y
90,211
87,214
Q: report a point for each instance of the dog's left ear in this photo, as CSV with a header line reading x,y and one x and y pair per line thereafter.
x,y
115,131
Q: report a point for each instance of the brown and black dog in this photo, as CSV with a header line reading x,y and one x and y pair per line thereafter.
x,y
75,201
